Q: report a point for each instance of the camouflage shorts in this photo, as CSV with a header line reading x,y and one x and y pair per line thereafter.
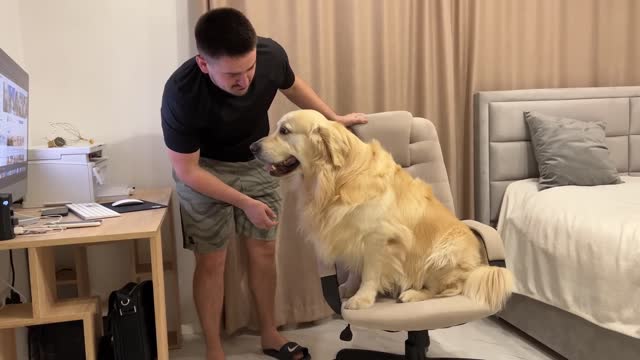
x,y
208,224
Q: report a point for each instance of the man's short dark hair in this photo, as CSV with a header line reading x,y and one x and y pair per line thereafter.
x,y
224,32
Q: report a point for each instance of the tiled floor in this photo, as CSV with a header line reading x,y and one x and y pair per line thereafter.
x,y
485,339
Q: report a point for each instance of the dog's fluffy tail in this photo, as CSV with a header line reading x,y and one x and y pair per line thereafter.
x,y
490,285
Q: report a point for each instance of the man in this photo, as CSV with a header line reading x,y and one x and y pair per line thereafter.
x,y
213,107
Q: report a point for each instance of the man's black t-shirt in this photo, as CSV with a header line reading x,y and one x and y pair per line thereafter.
x,y
196,114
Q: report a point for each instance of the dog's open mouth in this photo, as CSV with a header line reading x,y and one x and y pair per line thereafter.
x,y
284,167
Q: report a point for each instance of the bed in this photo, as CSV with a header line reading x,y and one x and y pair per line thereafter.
x,y
574,250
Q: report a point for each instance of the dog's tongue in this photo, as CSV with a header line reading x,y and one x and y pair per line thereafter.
x,y
269,167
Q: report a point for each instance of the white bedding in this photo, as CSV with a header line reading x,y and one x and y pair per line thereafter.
x,y
577,248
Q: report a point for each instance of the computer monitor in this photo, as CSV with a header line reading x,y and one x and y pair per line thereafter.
x,y
14,120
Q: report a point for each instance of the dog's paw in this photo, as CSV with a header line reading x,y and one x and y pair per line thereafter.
x,y
359,302
412,295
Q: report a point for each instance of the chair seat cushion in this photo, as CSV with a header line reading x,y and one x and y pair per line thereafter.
x,y
387,314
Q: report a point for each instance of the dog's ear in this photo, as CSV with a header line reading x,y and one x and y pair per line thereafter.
x,y
332,144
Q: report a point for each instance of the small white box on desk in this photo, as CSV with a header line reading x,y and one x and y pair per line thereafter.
x,y
61,175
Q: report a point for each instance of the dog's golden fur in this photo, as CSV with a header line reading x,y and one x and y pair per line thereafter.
x,y
360,208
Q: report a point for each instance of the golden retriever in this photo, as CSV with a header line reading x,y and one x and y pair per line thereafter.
x,y
360,208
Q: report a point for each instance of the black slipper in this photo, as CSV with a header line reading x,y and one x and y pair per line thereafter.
x,y
287,352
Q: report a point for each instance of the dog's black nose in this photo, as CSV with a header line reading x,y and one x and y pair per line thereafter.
x,y
255,147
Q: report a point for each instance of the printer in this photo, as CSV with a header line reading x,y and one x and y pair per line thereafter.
x,y
62,175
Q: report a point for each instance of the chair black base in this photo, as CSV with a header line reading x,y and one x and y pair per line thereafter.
x,y
415,348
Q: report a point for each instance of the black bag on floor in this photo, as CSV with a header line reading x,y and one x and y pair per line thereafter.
x,y
130,331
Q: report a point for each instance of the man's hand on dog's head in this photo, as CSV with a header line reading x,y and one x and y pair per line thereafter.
x,y
351,119
260,214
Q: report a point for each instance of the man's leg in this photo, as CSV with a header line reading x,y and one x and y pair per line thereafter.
x,y
261,248
262,280
208,294
209,225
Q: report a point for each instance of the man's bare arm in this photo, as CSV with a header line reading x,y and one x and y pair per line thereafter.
x,y
301,94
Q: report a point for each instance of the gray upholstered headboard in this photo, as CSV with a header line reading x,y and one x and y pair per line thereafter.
x,y
503,151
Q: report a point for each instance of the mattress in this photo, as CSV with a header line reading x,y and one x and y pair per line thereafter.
x,y
577,248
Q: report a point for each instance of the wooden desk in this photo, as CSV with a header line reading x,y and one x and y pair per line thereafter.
x,y
46,308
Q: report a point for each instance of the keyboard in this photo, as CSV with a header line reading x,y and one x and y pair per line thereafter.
x,y
91,211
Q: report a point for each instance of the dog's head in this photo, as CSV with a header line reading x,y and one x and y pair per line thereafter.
x,y
302,140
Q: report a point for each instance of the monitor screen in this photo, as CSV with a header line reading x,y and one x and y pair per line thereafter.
x,y
14,115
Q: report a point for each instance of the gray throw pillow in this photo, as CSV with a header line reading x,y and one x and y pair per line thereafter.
x,y
570,151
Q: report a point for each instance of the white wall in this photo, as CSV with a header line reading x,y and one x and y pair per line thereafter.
x,y
102,65
10,30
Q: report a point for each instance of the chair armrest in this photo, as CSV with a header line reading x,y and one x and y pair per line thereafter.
x,y
491,239
330,286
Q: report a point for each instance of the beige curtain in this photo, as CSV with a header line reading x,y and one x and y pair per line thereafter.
x,y
429,57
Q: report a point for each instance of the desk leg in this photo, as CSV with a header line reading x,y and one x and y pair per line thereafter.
x,y
157,274
173,256
8,344
42,274
82,270
89,327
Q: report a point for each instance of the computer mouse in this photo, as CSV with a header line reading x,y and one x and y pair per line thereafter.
x,y
127,202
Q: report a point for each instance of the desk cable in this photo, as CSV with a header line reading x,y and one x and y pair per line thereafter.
x,y
11,286
38,229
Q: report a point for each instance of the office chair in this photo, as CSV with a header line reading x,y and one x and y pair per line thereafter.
x,y
413,143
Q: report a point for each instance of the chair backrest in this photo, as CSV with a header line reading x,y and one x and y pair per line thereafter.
x,y
413,143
